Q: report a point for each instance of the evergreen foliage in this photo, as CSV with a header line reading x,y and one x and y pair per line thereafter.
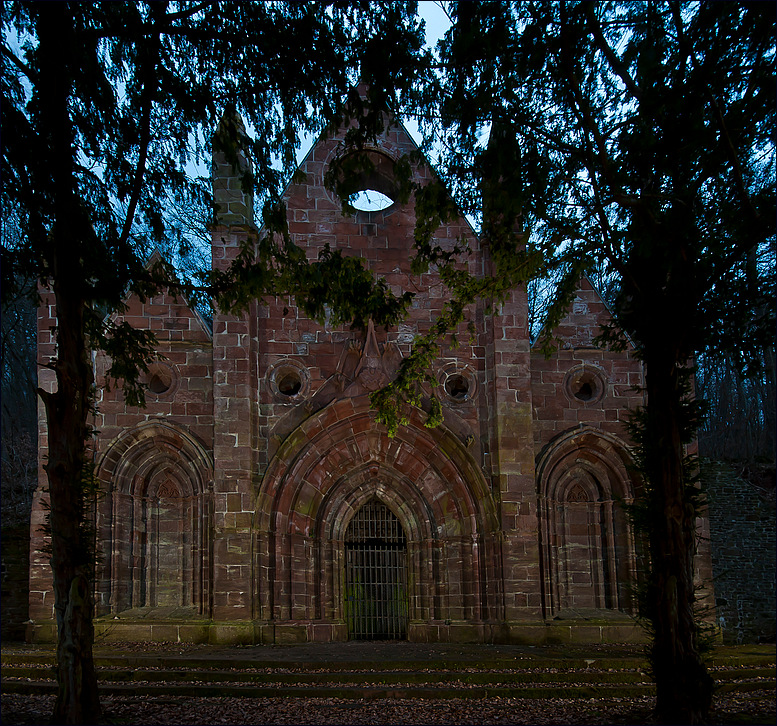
x,y
640,139
105,105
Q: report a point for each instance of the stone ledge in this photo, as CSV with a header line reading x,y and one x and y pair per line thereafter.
x,y
253,632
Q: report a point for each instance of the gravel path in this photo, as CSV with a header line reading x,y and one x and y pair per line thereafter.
x,y
750,708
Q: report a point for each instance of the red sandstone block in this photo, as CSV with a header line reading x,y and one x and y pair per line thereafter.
x,y
225,340
238,377
587,354
234,503
550,413
224,393
194,370
590,415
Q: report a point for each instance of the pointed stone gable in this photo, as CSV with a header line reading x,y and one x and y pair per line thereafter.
x,y
581,384
383,238
180,383
585,318
232,204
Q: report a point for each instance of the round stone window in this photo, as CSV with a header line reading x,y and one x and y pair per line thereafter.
x,y
458,382
289,381
585,384
457,386
371,200
364,179
161,379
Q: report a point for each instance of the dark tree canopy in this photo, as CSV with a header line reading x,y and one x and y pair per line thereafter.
x,y
641,140
143,85
105,105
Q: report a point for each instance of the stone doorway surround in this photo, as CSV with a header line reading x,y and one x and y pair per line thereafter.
x,y
325,471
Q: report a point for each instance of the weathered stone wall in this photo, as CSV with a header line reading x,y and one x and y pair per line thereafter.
x,y
154,468
318,441
581,384
179,399
581,396
179,385
742,526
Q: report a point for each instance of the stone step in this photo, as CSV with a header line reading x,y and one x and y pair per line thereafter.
x,y
356,677
432,682
366,672
204,689
238,661
511,664
201,690
425,675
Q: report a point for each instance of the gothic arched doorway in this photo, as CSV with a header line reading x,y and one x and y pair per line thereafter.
x,y
376,602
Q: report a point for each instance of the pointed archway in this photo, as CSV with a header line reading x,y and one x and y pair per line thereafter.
x,y
326,470
375,596
585,482
154,522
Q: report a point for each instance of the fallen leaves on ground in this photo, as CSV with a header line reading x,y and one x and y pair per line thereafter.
x,y
22,710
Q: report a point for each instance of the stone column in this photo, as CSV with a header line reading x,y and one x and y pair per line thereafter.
x,y
41,576
512,459
234,391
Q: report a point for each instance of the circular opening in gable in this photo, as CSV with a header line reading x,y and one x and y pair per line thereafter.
x,y
585,384
289,383
371,200
160,379
584,391
458,383
457,386
365,179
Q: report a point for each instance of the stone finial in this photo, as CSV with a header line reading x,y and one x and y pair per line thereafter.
x,y
233,198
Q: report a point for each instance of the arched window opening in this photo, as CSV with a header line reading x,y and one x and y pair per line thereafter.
x,y
364,180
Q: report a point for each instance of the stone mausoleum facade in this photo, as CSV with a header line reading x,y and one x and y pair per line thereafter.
x,y
256,499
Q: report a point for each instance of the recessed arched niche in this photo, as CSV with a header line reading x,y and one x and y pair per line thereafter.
x,y
585,484
154,521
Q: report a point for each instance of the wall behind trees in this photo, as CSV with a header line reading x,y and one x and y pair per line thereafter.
x,y
737,441
19,459
742,526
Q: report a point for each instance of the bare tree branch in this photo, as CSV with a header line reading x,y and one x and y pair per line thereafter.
x,y
24,68
615,63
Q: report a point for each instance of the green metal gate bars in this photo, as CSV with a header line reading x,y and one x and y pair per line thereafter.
x,y
376,575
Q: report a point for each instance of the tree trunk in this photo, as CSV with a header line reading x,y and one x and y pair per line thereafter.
x,y
68,408
71,543
683,686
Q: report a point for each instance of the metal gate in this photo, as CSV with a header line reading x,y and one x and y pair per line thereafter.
x,y
375,575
